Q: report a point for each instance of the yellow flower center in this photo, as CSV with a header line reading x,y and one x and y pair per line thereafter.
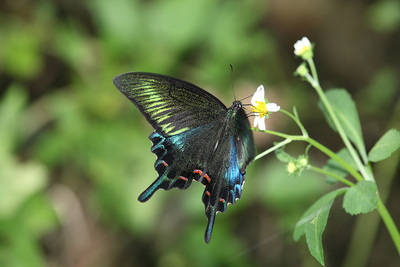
x,y
261,108
304,49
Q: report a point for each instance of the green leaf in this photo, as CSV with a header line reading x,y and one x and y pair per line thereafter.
x,y
345,109
11,110
18,182
313,223
384,16
334,167
21,52
361,198
385,146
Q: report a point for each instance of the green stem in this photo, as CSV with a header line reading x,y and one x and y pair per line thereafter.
x,y
313,70
390,225
286,136
315,83
333,155
337,177
303,130
287,141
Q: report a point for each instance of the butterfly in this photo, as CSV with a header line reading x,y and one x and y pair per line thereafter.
x,y
196,137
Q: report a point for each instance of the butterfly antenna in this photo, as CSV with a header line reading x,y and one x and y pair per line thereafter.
x,y
246,97
232,81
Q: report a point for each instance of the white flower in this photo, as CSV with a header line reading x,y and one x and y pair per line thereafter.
x,y
261,108
303,48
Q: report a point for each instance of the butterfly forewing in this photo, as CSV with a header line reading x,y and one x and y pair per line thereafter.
x,y
170,105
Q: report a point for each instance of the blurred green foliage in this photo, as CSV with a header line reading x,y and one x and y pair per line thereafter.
x,y
74,153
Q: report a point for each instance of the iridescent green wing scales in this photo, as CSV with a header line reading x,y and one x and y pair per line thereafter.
x,y
170,105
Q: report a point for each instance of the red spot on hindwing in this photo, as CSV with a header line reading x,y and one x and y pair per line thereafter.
x,y
183,178
207,177
200,172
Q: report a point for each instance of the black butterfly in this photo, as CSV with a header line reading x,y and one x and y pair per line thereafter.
x,y
196,138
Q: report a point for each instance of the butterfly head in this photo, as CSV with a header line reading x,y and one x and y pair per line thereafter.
x,y
237,105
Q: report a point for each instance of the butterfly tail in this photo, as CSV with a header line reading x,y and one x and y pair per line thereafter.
x,y
211,219
148,193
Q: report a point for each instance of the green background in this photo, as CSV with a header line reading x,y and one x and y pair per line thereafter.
x,y
75,154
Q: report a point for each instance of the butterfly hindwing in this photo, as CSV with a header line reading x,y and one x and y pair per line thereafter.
x,y
196,138
179,156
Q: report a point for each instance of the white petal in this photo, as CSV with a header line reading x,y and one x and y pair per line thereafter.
x,y
261,124
301,45
297,47
256,120
305,41
258,96
272,107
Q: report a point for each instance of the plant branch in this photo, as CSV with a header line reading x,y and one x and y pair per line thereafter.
x,y
314,82
337,177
